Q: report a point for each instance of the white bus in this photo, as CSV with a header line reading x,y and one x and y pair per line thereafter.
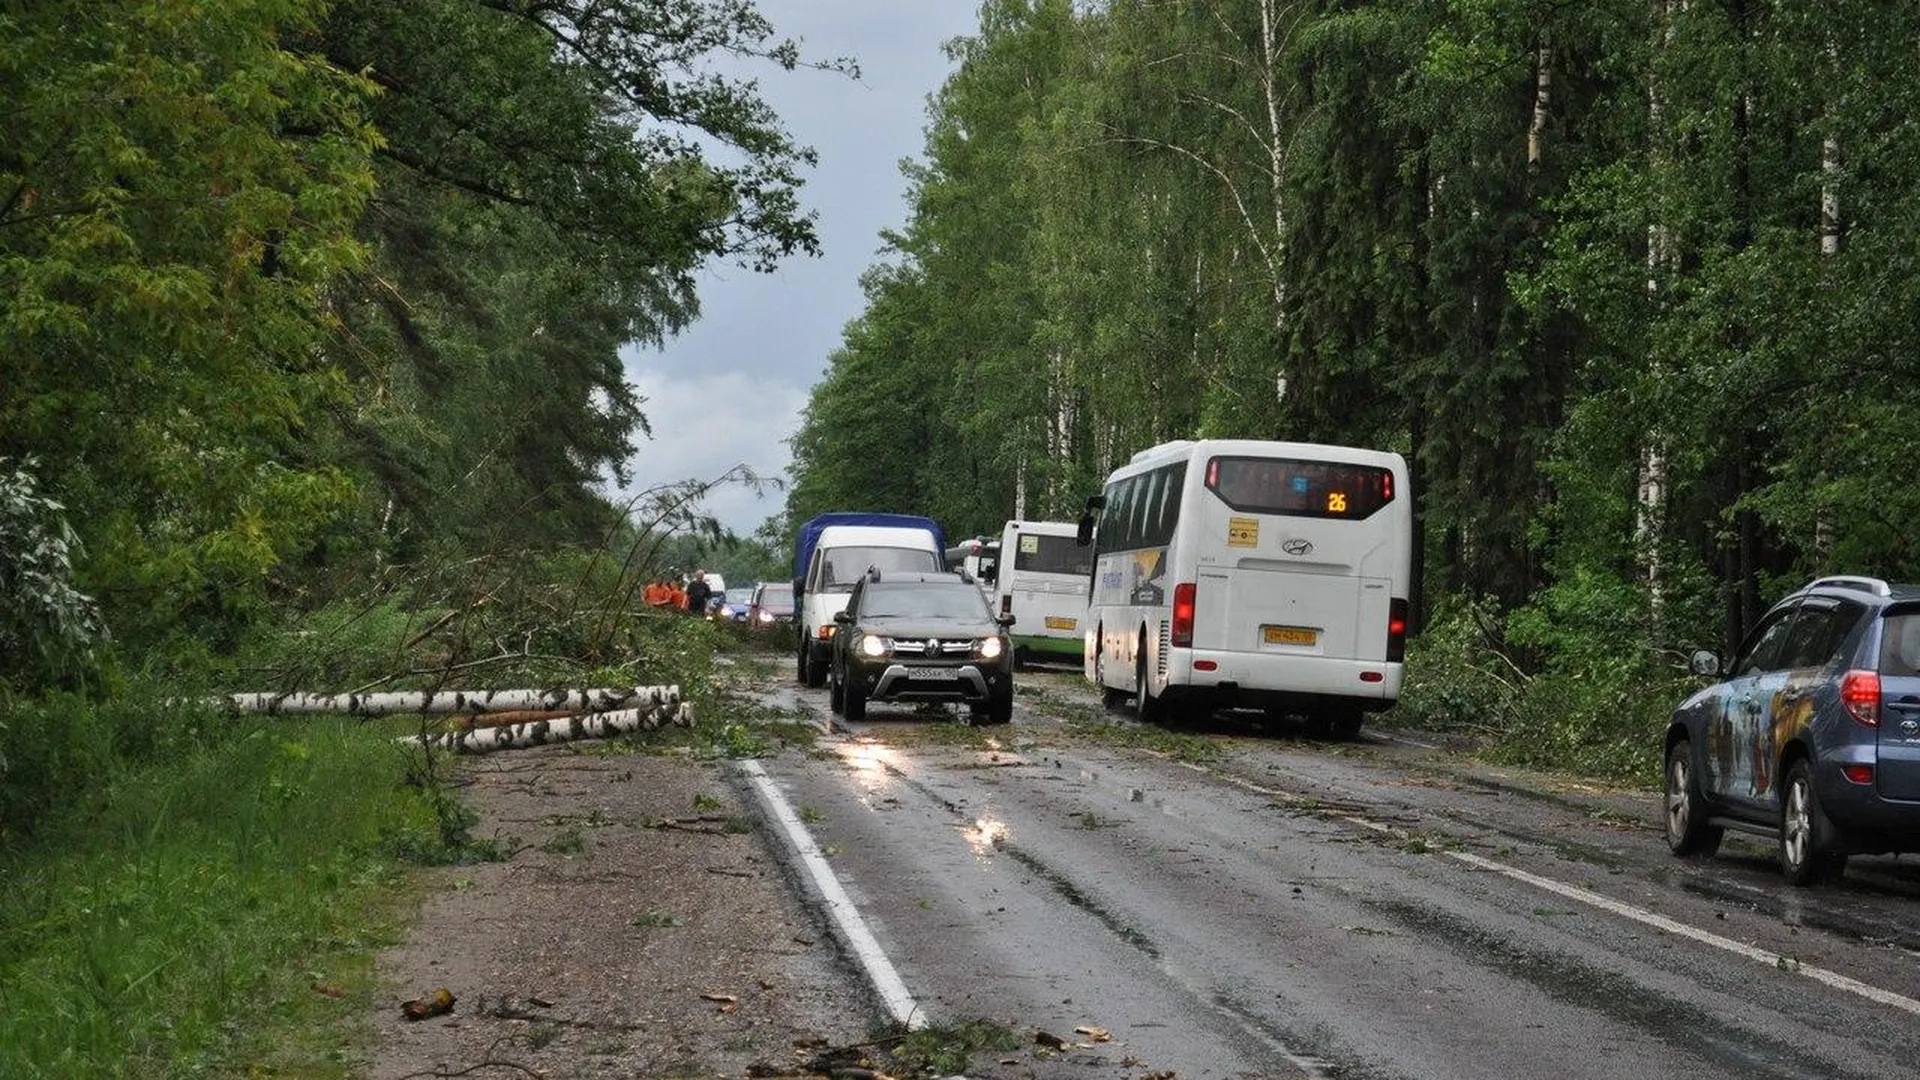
x,y
1251,574
1041,580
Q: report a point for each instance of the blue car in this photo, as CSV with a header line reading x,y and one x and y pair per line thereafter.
x,y
1811,736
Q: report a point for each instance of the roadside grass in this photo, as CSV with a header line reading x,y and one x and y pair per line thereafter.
x,y
1178,745
205,894
947,1050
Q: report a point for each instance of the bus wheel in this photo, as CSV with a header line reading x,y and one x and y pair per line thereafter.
x,y
1145,707
1345,724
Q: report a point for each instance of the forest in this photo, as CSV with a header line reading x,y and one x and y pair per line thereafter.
x,y
1629,282
310,325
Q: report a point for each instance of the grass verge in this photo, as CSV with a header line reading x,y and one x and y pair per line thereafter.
x,y
206,895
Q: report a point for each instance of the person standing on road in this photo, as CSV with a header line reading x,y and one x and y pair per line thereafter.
x,y
698,593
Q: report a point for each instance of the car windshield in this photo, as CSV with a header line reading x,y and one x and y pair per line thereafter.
x,y
842,567
740,596
778,598
925,602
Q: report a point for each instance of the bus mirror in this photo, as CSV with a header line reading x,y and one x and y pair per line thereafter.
x,y
1095,504
1084,534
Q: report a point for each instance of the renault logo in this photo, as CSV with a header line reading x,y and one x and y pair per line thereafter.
x,y
933,646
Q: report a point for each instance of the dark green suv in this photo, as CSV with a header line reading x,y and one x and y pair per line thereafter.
x,y
908,636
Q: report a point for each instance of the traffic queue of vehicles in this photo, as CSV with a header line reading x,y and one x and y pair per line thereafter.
x,y
1276,576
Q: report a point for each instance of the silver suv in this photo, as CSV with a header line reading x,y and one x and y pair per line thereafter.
x,y
1812,734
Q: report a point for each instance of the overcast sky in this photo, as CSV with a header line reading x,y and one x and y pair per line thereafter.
x,y
731,388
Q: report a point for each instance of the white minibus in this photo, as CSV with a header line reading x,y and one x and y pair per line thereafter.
x,y
1041,579
1251,574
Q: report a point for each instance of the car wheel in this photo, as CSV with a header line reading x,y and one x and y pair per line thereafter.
x,y
1318,724
1344,725
1687,830
853,701
800,669
816,672
836,689
1145,707
1807,855
997,710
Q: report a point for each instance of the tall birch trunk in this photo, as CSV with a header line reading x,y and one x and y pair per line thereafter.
x,y
1650,496
1831,235
1542,97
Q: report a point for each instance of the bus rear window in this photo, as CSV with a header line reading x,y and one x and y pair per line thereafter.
x,y
1323,489
1052,555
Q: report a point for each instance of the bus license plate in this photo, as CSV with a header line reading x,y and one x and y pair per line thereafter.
x,y
1291,635
1055,622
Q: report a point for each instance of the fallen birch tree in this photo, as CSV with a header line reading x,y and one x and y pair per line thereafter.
x,y
601,725
453,701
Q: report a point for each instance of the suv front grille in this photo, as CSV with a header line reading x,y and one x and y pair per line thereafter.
x,y
949,647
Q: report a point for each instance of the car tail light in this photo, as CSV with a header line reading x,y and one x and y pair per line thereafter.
x,y
1860,693
1372,676
1206,665
1396,629
1859,774
1181,635
826,631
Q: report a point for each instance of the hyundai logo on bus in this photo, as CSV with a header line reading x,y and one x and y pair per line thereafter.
x,y
1297,545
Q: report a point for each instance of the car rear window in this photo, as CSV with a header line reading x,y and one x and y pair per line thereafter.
x,y
1295,488
1900,643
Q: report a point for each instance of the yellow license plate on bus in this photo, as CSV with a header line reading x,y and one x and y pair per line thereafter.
x,y
1290,635
1055,622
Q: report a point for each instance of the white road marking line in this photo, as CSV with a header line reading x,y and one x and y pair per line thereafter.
x,y
880,972
1777,961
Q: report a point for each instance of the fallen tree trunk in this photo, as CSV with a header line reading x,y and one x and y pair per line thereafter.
x,y
600,725
454,701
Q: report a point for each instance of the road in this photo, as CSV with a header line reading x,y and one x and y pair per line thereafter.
x,y
1236,902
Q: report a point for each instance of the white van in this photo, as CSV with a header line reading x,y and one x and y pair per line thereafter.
x,y
841,556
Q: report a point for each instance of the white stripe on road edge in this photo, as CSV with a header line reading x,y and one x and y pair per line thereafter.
x,y
1628,911
886,981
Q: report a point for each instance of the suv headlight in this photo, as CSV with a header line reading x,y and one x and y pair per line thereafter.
x,y
874,645
990,648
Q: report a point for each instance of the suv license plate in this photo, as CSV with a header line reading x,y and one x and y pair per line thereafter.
x,y
929,673
1290,635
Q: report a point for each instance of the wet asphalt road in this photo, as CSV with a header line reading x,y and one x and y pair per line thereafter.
x,y
1295,908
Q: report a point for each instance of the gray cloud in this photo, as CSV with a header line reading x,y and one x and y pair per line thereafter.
x,y
730,389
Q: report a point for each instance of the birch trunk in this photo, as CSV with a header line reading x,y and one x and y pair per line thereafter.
x,y
453,701
541,732
1542,96
1650,498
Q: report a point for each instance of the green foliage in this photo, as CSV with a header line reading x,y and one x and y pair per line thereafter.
x,y
195,870
47,626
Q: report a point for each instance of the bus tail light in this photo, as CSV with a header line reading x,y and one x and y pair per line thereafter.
x,y
1006,603
1396,631
1860,693
1181,634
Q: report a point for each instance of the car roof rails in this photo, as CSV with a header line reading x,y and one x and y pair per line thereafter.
x,y
1874,585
